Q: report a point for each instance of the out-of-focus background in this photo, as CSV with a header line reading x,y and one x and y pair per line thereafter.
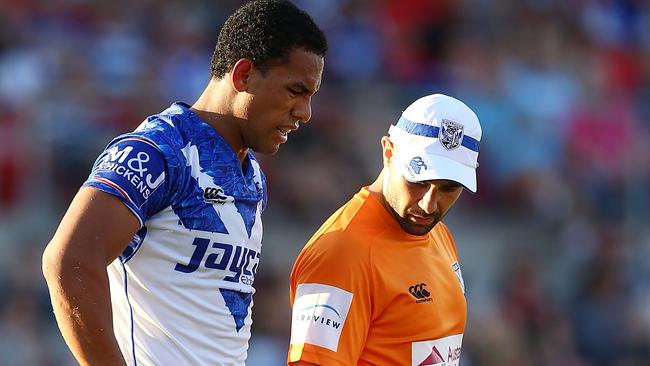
x,y
555,247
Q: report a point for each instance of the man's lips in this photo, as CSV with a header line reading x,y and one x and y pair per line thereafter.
x,y
283,131
422,220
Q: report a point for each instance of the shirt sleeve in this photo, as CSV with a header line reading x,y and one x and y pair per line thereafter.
x,y
134,169
331,302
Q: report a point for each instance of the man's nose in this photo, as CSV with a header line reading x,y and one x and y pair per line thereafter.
x,y
302,109
429,202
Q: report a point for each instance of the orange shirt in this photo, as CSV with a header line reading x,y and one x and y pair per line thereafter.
x,y
364,292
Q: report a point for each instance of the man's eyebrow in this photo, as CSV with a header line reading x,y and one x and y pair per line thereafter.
x,y
303,88
444,182
451,184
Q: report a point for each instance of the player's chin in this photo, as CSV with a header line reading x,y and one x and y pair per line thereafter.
x,y
420,230
269,149
272,143
273,148
417,229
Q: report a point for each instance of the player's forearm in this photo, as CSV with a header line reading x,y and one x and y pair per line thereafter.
x,y
81,301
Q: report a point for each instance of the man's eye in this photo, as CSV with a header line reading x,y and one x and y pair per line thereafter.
x,y
294,91
450,188
419,184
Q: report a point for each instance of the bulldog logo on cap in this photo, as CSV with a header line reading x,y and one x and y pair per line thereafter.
x,y
451,134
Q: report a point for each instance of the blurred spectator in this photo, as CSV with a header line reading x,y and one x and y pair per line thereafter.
x,y
601,319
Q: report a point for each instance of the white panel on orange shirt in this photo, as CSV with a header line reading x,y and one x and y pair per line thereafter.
x,y
441,352
319,314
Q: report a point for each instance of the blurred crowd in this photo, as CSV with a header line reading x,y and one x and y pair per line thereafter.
x,y
555,246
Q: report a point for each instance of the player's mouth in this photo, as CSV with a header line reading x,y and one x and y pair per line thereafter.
x,y
283,132
422,220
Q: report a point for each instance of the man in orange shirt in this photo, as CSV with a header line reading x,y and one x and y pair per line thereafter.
x,y
380,282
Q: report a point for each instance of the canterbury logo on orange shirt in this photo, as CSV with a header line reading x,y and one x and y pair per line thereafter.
x,y
420,292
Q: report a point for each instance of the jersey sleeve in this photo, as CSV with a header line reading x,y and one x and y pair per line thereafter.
x,y
134,169
331,302
450,244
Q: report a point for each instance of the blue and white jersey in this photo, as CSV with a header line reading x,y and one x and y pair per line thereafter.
x,y
182,290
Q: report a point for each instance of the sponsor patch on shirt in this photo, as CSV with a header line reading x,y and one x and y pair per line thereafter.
x,y
134,167
459,275
319,313
440,352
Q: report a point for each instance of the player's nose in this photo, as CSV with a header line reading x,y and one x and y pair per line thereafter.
x,y
302,109
429,202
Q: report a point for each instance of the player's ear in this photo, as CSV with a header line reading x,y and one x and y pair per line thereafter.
x,y
240,74
388,150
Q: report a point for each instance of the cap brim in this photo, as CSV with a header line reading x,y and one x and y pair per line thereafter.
x,y
439,167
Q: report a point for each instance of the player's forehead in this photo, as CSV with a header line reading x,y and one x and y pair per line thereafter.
x,y
303,69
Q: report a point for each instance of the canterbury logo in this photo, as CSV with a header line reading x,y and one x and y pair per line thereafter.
x,y
214,195
420,292
416,164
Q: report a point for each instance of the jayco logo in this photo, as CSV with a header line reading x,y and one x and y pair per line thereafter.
x,y
237,263
420,292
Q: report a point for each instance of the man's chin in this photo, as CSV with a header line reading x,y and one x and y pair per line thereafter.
x,y
415,229
267,150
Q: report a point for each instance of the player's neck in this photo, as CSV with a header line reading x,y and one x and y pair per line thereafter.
x,y
214,107
376,188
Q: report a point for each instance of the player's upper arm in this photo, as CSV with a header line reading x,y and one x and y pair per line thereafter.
x,y
331,299
96,229
129,182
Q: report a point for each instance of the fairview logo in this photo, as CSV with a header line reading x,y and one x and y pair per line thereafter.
x,y
318,319
319,313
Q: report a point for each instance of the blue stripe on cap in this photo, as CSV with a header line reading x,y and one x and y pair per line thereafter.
x,y
470,143
422,129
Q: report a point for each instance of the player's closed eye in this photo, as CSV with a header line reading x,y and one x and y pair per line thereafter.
x,y
445,187
449,187
419,184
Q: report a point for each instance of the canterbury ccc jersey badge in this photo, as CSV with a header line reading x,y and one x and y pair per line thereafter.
x,y
214,195
419,291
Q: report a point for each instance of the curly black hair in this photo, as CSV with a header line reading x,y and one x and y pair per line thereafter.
x,y
265,32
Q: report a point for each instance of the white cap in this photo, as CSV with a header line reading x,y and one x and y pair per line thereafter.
x,y
438,137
